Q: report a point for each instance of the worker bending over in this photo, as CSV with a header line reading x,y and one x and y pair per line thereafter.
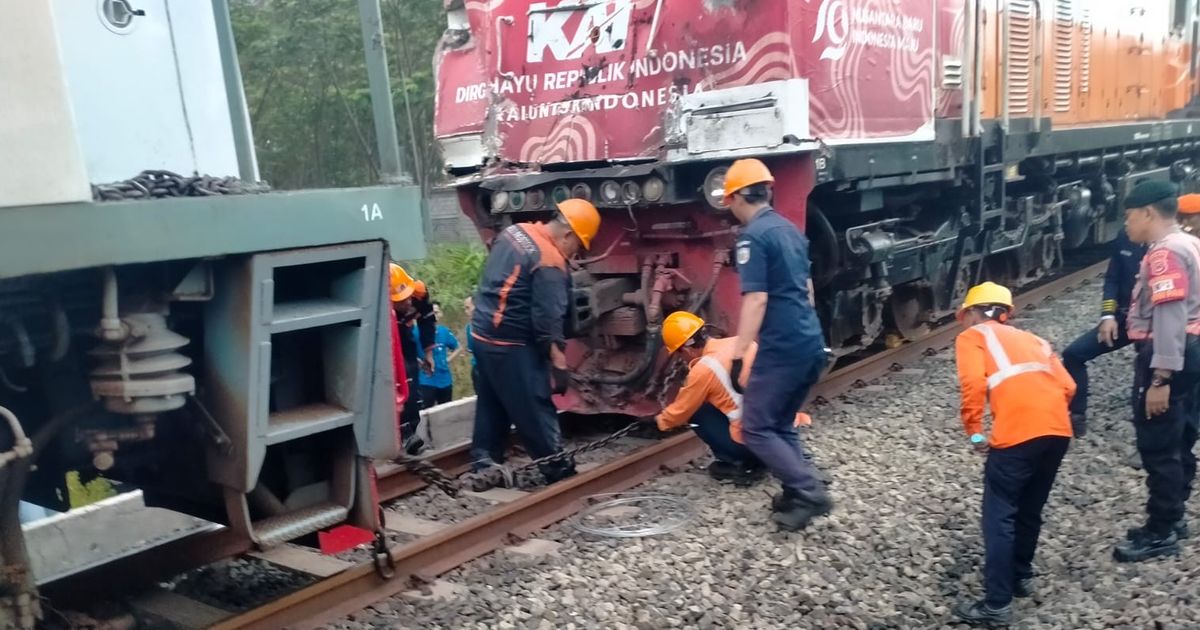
x,y
520,308
777,311
708,401
1164,321
1109,333
1028,389
412,309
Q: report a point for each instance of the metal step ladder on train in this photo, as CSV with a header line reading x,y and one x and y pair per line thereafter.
x,y
289,354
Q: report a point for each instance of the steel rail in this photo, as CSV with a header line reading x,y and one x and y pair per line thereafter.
x,y
358,587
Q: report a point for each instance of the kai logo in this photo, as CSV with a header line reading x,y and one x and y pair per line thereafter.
x,y
569,28
833,21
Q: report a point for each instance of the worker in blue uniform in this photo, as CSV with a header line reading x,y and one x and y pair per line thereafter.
x,y
1109,335
777,312
520,343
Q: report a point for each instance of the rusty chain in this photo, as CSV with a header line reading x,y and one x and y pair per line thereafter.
x,y
430,474
158,184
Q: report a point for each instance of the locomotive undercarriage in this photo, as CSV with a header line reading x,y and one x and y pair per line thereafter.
x,y
891,255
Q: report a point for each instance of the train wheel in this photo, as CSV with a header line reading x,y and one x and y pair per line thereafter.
x,y
911,309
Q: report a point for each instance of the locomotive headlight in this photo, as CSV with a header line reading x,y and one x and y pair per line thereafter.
x,y
610,192
499,201
714,187
535,199
560,194
630,193
582,191
652,189
516,200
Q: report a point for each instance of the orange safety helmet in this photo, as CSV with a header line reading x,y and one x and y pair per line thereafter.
x,y
420,290
401,283
1189,204
743,173
678,327
583,218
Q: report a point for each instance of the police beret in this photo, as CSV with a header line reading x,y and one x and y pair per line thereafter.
x,y
1189,204
1148,192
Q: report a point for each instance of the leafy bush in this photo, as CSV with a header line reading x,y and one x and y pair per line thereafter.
x,y
451,272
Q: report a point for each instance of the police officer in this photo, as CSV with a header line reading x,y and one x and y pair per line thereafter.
x,y
1109,334
411,307
1017,374
520,308
1164,321
772,260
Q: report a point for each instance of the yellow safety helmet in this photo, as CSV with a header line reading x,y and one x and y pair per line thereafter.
x,y
986,293
583,218
678,327
401,283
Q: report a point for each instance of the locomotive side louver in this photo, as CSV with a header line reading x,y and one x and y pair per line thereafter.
x,y
1064,55
1019,60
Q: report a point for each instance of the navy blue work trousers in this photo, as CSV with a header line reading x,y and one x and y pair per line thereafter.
x,y
1085,348
776,390
513,387
712,427
1165,442
1016,482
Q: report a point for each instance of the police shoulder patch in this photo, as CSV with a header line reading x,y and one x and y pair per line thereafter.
x,y
743,253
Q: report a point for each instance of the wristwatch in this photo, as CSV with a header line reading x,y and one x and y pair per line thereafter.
x,y
1160,381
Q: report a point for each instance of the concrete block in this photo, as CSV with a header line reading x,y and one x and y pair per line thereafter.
x,y
413,525
438,590
535,548
177,610
448,425
302,559
499,495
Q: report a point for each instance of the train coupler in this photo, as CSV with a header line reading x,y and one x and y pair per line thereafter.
x,y
385,565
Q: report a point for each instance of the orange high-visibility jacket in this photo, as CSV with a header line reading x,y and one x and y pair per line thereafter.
x,y
1019,375
708,381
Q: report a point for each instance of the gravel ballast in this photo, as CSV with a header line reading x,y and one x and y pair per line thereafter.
x,y
901,548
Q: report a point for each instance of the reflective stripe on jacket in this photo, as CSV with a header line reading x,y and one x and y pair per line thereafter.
x,y
522,296
1018,374
708,380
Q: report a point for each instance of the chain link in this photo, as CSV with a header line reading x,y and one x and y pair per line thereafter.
x,y
156,184
430,474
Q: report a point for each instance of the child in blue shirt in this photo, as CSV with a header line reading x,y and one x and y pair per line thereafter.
x,y
437,386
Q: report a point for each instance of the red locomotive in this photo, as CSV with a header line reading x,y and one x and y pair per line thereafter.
x,y
922,144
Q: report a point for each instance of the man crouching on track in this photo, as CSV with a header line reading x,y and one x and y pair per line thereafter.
x,y
1164,321
520,308
777,311
708,400
1028,389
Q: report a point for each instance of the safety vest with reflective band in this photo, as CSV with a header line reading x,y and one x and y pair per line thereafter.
x,y
709,382
1018,375
1005,368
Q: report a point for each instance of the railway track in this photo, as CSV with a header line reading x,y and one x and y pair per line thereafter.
x,y
422,560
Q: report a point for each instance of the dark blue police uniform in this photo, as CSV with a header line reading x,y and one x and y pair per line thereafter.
x,y
1119,279
772,257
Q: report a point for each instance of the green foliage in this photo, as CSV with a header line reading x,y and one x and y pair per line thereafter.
x,y
452,272
306,86
81,494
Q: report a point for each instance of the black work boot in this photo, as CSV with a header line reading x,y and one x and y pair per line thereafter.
x,y
981,614
1079,424
413,445
1180,528
1148,545
1023,587
792,510
737,473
